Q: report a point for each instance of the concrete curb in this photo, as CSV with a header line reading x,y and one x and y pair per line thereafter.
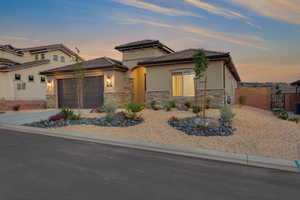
x,y
249,160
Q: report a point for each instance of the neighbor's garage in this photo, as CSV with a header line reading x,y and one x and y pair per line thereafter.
x,y
93,89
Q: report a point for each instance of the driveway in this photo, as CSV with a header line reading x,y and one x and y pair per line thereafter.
x,y
44,167
23,117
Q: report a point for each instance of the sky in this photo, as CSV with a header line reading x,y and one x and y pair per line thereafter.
x,y
263,36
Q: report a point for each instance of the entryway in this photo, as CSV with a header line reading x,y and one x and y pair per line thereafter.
x,y
139,75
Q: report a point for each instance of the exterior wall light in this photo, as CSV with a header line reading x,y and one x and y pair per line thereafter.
x,y
109,81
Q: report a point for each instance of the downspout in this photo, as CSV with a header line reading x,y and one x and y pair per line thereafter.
x,y
224,82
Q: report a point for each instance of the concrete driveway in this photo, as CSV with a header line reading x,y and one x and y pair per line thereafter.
x,y
23,117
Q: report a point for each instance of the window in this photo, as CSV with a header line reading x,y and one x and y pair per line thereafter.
x,y
43,79
62,59
55,57
36,56
17,77
21,86
183,83
43,56
30,78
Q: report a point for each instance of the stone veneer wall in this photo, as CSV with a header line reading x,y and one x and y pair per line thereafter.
x,y
216,97
51,101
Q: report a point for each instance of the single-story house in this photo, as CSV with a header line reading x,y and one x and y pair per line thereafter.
x,y
20,79
149,71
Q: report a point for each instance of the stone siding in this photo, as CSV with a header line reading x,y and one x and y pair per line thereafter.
x,y
51,101
216,97
118,98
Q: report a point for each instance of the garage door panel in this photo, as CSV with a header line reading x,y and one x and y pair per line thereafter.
x,y
93,89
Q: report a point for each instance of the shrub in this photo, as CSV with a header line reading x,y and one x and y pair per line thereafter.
x,y
132,109
207,104
16,107
294,119
172,104
196,109
283,115
110,110
59,116
188,104
69,113
242,100
153,105
168,107
226,113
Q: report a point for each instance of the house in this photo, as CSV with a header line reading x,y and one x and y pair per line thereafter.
x,y
20,81
149,71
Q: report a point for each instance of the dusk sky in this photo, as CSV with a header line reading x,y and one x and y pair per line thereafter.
x,y
263,36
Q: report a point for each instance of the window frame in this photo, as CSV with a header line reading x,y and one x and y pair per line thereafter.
x,y
43,79
30,78
181,72
43,57
62,59
36,57
18,75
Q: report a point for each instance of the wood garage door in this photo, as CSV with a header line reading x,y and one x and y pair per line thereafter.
x,y
92,92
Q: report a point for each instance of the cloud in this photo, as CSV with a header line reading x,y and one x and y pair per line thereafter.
x,y
284,10
156,8
207,33
216,10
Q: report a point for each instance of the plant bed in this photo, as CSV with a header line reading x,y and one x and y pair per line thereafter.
x,y
202,127
118,120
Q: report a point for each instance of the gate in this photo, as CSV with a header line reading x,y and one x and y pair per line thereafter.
x,y
278,101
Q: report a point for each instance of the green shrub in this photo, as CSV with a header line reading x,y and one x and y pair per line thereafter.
x,y
188,104
132,109
172,104
242,100
283,115
109,110
16,107
294,119
196,109
207,104
168,107
153,105
70,114
226,113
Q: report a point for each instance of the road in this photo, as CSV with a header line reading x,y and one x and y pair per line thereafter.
x,y
43,167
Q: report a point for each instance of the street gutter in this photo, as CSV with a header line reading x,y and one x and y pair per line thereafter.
x,y
244,159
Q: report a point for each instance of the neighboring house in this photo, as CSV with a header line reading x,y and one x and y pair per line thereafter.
x,y
19,70
149,71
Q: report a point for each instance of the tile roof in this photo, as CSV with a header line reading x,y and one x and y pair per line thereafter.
x,y
7,62
188,56
9,48
23,65
98,63
143,44
51,47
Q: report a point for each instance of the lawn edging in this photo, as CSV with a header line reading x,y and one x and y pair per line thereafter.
x,y
244,159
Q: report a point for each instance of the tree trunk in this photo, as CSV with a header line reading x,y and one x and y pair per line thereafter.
x,y
204,97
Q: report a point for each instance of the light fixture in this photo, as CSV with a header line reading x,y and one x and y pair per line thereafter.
x,y
108,81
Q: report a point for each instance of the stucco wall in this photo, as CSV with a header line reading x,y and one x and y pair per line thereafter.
x,y
34,90
230,85
10,56
159,77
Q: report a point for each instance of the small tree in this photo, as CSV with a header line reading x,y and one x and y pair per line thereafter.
x,y
79,74
201,65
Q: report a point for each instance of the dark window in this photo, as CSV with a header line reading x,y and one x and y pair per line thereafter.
x,y
62,59
17,77
19,86
43,79
43,56
30,78
55,57
36,56
23,86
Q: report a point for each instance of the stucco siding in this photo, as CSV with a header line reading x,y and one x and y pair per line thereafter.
x,y
159,77
230,85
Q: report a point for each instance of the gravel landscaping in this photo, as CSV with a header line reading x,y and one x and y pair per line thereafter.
x,y
258,132
192,126
118,120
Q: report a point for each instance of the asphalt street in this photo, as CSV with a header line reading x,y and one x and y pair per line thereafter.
x,y
43,167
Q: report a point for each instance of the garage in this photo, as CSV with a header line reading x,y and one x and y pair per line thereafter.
x,y
93,88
